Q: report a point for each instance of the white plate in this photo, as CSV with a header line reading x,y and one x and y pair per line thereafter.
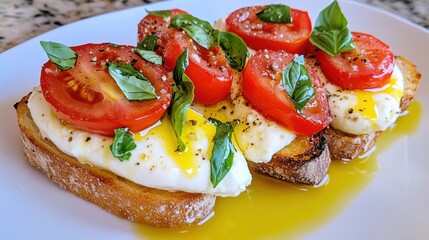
x,y
392,206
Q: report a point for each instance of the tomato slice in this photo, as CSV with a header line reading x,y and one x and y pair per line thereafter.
x,y
88,98
263,88
207,69
155,25
369,65
260,35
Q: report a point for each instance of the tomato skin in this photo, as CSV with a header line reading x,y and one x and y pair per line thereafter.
x,y
263,89
109,109
207,69
370,65
155,25
260,35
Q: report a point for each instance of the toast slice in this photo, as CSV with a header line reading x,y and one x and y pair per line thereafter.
x,y
305,161
105,189
349,146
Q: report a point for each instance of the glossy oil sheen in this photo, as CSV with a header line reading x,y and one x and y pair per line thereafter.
x,y
273,209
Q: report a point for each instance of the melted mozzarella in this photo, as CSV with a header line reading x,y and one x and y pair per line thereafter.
x,y
154,163
366,111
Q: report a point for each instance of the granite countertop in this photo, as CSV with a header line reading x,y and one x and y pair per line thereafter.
x,y
21,20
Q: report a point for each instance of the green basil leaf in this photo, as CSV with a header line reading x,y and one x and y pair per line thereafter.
x,y
160,13
183,97
236,51
223,151
59,54
330,32
149,56
133,83
199,30
334,42
275,13
149,43
123,144
298,83
179,69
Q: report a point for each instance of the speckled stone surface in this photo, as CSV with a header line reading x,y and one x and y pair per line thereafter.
x,y
21,20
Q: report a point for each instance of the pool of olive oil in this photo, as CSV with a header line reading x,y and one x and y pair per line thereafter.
x,y
274,209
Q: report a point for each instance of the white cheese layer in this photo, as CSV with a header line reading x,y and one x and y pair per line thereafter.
x,y
366,111
154,163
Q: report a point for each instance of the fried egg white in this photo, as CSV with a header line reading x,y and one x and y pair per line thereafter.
x,y
154,163
366,111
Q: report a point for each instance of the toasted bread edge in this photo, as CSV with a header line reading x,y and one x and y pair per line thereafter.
x,y
105,189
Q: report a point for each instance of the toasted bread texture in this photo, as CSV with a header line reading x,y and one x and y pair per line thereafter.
x,y
305,161
348,146
107,190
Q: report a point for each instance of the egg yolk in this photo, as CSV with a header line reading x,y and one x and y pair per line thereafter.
x,y
196,128
365,99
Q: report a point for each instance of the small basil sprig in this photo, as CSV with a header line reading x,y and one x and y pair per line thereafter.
x,y
298,83
223,151
202,32
149,43
62,56
160,13
133,83
275,13
183,96
149,56
199,30
123,144
146,49
330,32
236,51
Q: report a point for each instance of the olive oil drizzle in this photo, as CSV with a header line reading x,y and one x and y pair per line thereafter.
x,y
274,209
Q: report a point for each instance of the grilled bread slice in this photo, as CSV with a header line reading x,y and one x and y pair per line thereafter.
x,y
348,146
305,161
107,190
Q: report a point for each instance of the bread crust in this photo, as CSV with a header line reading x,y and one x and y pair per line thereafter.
x,y
349,146
105,189
305,161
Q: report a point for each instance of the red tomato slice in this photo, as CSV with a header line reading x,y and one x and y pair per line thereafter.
x,y
207,69
260,35
155,25
262,87
369,65
88,98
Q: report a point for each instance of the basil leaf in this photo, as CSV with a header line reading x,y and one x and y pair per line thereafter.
x,y
149,56
330,32
160,13
149,43
223,151
236,51
297,82
59,54
123,144
199,30
133,83
182,63
183,97
275,13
